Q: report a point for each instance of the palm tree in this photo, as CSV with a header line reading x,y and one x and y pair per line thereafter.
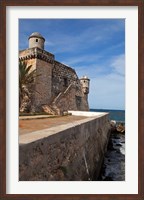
x,y
26,78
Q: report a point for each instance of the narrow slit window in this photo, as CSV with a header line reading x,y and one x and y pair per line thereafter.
x,y
65,82
36,40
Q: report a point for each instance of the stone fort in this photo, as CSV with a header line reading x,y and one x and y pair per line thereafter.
x,y
57,87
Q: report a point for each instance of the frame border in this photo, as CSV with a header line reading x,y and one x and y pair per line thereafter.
x,y
3,5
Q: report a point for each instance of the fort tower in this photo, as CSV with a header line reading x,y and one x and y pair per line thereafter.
x,y
36,40
57,87
85,84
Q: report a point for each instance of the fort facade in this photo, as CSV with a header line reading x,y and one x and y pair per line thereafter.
x,y
57,87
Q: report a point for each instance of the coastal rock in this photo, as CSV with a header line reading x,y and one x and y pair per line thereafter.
x,y
117,127
120,128
113,168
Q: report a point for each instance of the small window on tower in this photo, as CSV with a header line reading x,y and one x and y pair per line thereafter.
x,y
65,82
36,40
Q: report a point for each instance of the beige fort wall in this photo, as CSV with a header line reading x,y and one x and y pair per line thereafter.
x,y
57,85
43,83
69,96
71,152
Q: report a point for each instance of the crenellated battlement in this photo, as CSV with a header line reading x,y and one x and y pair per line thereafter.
x,y
36,53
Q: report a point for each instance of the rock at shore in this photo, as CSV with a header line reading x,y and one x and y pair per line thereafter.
x,y
117,127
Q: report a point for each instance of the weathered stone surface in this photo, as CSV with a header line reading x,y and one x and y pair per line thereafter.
x,y
73,154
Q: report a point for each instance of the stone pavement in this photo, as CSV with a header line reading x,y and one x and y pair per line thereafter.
x,y
34,123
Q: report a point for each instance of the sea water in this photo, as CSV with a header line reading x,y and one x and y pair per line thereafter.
x,y
117,115
113,168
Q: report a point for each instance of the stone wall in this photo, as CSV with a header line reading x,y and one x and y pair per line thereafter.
x,y
66,100
67,89
71,99
42,91
73,152
62,77
42,61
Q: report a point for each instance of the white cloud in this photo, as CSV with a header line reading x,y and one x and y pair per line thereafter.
x,y
80,59
49,43
108,91
91,36
119,65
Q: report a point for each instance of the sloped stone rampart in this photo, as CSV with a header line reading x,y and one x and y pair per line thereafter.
x,y
72,152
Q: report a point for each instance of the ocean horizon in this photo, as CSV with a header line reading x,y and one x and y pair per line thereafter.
x,y
117,115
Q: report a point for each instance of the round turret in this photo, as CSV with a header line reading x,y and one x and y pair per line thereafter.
x,y
36,40
85,84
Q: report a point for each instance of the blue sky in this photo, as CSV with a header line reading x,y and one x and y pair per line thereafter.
x,y
93,47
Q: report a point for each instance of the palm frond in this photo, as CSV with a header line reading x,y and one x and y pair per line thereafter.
x,y
26,77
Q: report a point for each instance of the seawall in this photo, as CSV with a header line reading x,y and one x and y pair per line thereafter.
x,y
70,152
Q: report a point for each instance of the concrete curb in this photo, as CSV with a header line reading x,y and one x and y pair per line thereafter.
x,y
37,117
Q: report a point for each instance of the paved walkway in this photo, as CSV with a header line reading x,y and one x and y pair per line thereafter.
x,y
41,122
